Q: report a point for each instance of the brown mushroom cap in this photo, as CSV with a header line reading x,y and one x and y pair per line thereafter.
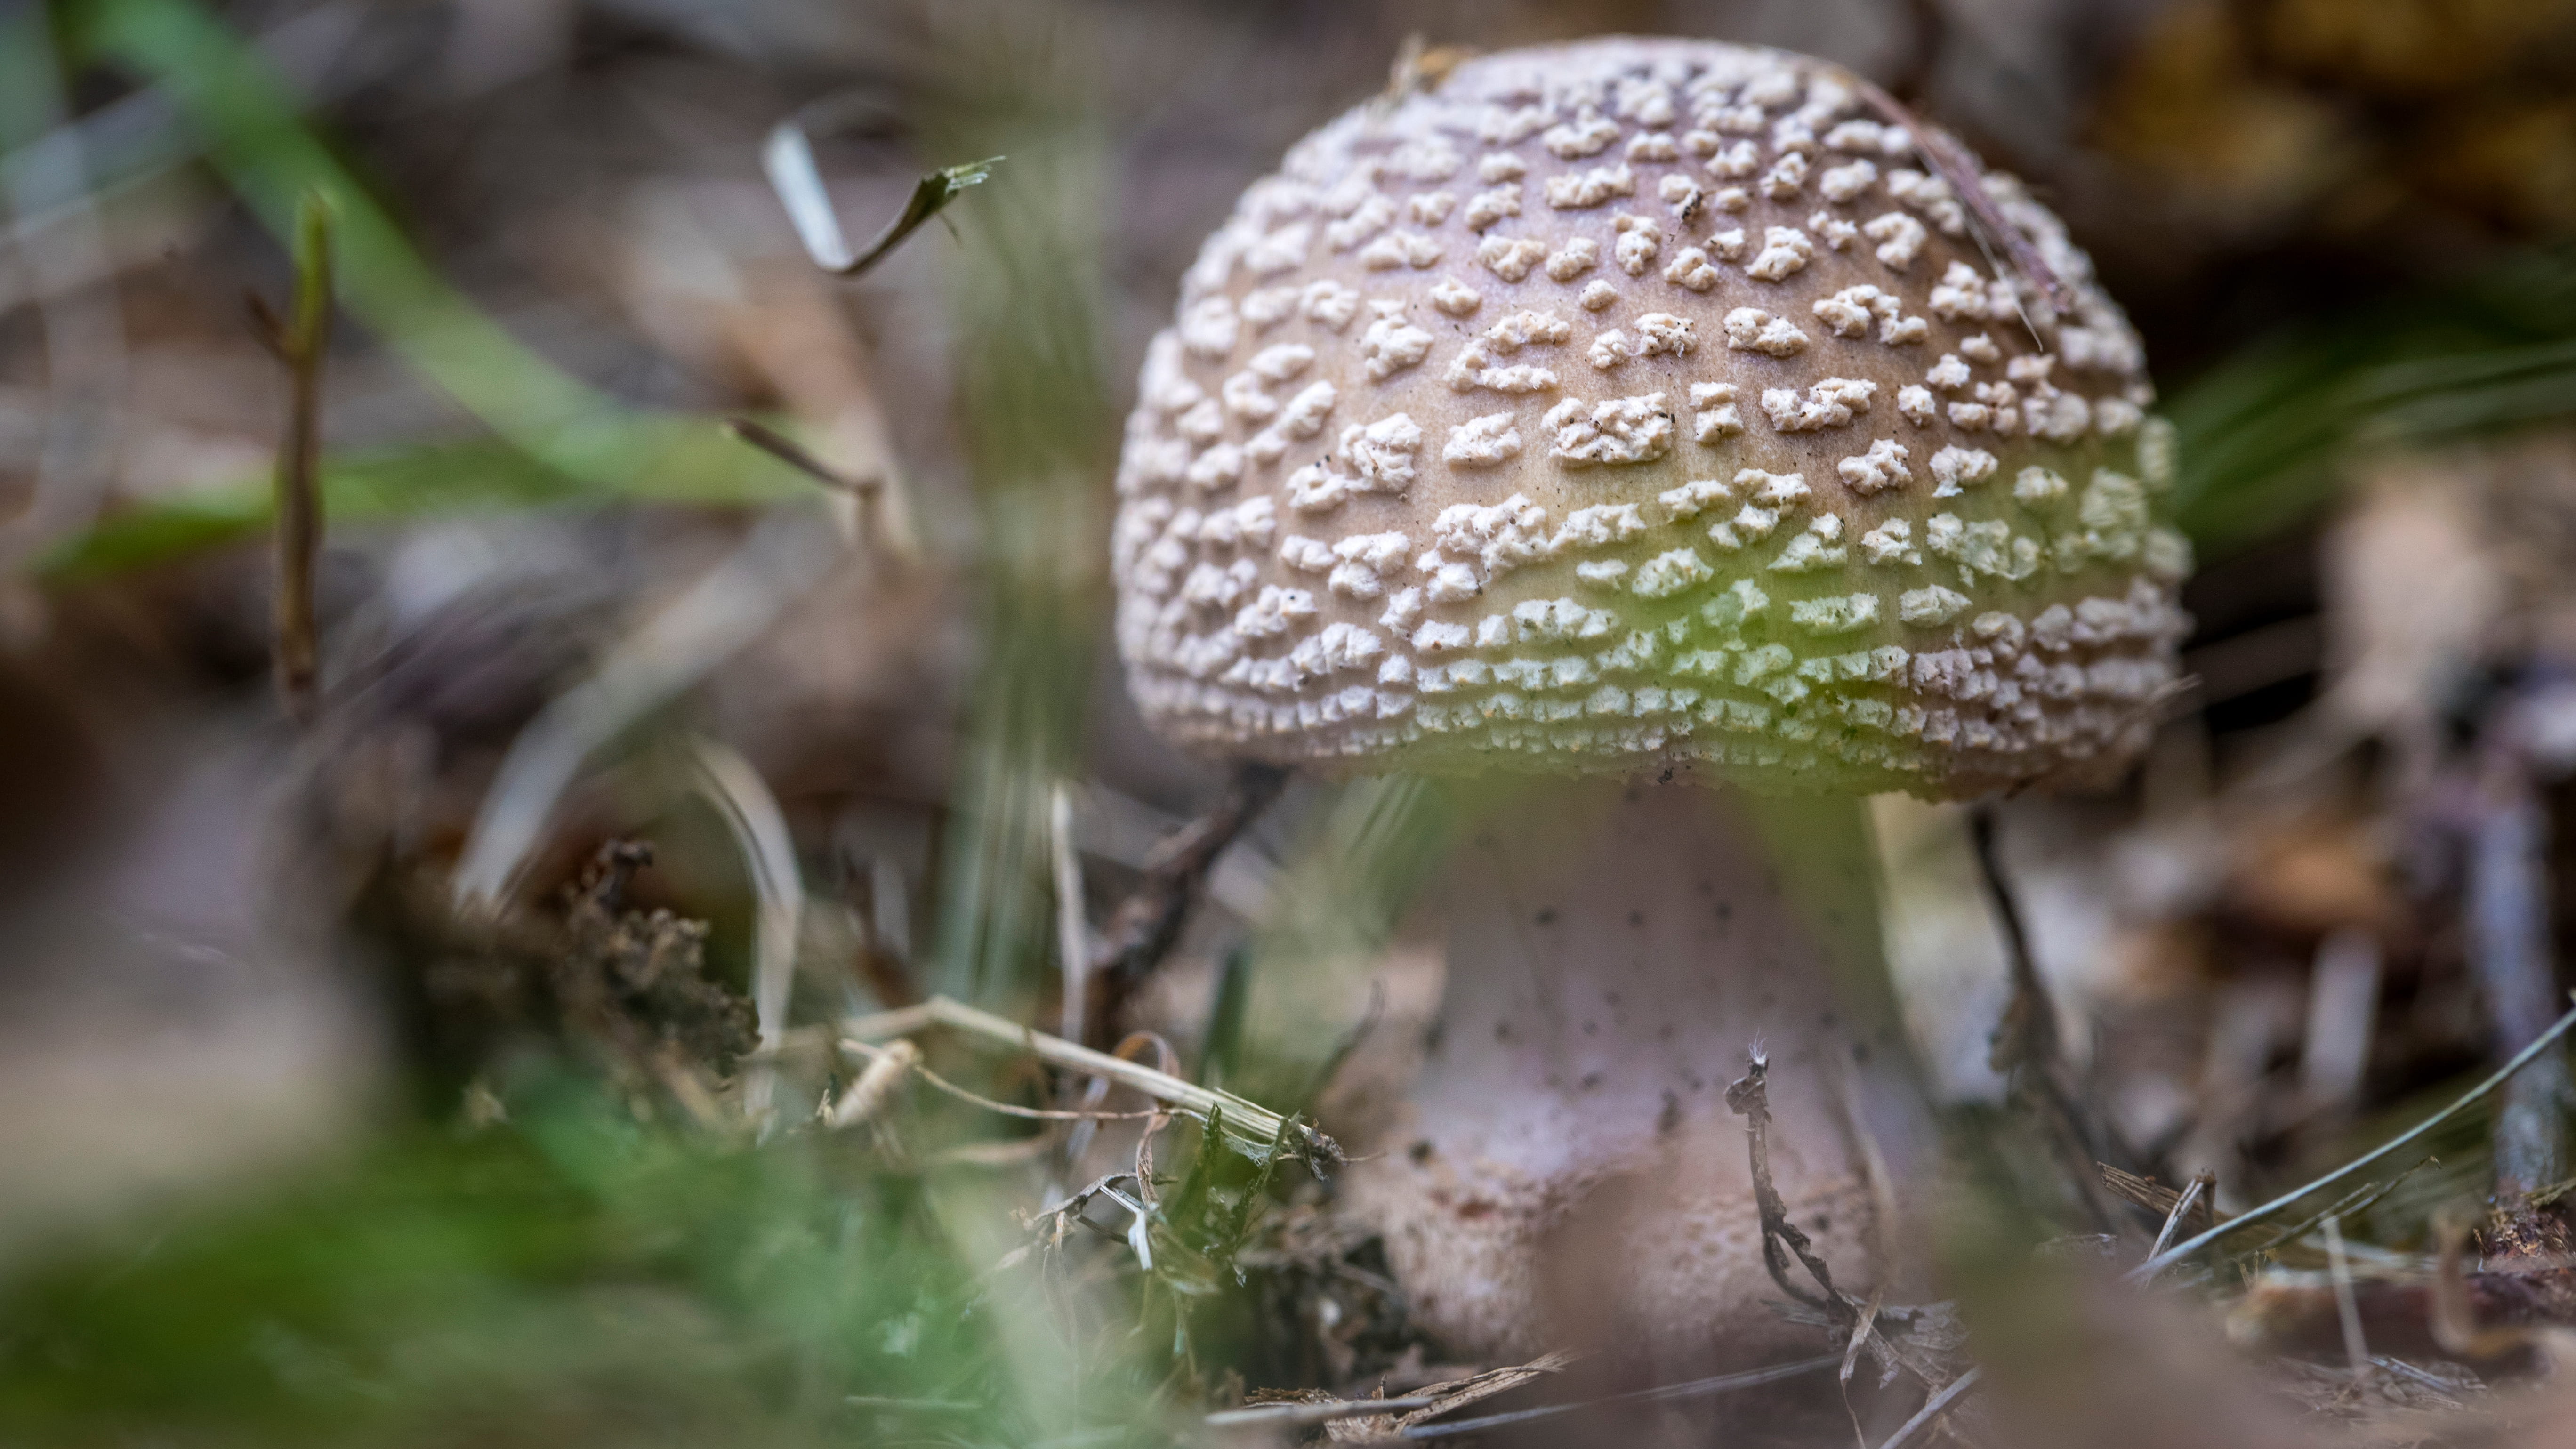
x,y
1638,401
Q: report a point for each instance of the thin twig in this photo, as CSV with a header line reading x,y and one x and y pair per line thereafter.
x,y
795,455
2523,1058
2026,1046
789,159
1750,1098
875,1087
2352,1204
1295,1415
2200,1183
2147,1193
300,343
1147,925
1198,1101
1951,159
1459,1393
1933,1408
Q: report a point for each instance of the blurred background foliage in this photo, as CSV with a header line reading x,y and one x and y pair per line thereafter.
x,y
295,1156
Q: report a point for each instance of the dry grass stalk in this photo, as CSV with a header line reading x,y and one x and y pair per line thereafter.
x,y
2158,1262
2026,1047
875,1087
2202,1183
879,508
909,1060
1203,1103
2152,1195
1148,923
300,341
1300,1414
1459,1393
1932,1410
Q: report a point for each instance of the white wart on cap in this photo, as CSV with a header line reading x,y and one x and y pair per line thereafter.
x,y
1638,400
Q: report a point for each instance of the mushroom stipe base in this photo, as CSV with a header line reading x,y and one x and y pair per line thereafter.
x,y
1566,1171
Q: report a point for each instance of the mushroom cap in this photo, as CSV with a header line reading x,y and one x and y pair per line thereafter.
x,y
1637,402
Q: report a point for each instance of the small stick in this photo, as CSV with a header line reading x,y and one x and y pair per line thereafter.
x,y
1292,1415
1198,1101
1948,158
788,158
2357,1201
1459,1393
2026,1046
1750,1098
300,343
2200,1183
795,455
875,1087
1933,1408
2468,1099
2355,1347
1147,925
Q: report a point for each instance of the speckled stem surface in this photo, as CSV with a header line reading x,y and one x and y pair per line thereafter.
x,y
1568,1173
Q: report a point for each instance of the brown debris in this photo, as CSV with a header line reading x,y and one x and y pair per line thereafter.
x,y
628,986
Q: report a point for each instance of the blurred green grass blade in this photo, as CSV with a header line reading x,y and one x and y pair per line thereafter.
x,y
2265,437
559,442
1033,402
267,155
562,1281
675,460
1371,846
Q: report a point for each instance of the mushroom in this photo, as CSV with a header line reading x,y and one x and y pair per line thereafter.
x,y
1641,423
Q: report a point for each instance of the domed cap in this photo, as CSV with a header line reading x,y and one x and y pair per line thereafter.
x,y
1644,401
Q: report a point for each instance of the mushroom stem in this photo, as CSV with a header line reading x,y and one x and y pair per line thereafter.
x,y
1568,1171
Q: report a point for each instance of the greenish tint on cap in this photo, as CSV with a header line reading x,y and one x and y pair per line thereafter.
x,y
1641,402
